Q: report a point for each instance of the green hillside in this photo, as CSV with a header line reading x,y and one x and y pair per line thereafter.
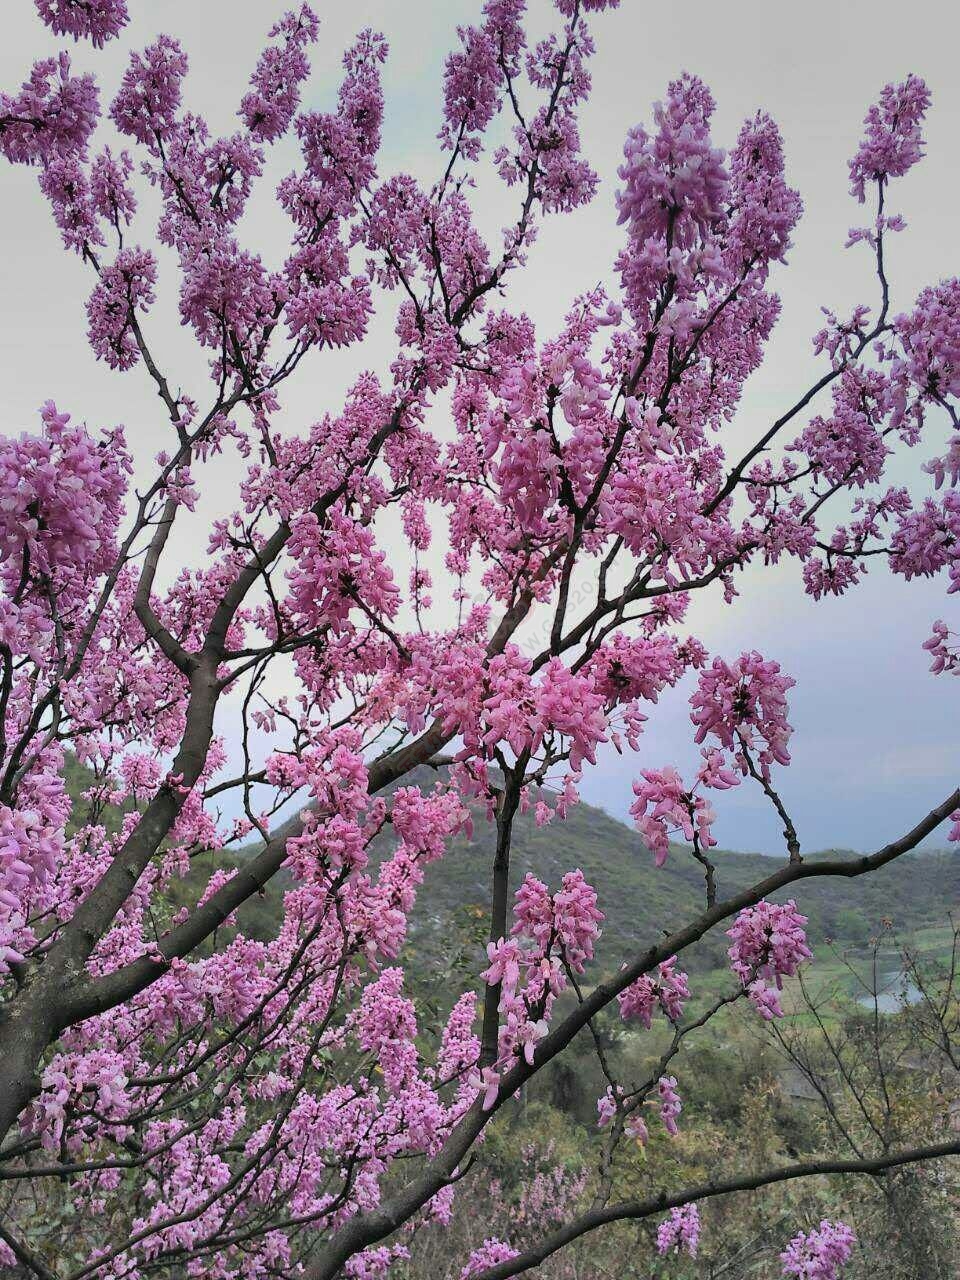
x,y
640,900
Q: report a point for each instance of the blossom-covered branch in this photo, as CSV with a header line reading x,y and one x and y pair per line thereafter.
x,y
480,560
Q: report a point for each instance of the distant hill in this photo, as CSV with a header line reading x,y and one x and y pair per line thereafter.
x,y
640,900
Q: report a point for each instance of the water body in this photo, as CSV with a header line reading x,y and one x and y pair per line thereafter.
x,y
895,990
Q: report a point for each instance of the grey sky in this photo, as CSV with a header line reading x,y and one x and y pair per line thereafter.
x,y
875,743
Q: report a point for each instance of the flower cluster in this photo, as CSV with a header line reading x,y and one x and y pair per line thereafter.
x,y
743,705
893,142
30,847
664,806
559,931
487,1255
95,20
60,502
768,945
52,116
680,1233
526,714
124,288
268,109
670,1104
943,648
667,991
674,181
818,1254
146,105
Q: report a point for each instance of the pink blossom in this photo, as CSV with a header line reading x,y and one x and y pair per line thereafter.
x,y
830,577
110,191
149,96
675,178
744,706
52,116
607,1105
928,355
504,967
820,1253
893,142
478,561
943,649
765,209
680,1233
274,96
64,183
60,499
635,1127
668,991
125,288
769,943
487,1082
664,806
470,88
670,1104
487,1255
95,20
765,999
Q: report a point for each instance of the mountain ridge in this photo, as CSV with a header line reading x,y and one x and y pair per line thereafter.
x,y
640,901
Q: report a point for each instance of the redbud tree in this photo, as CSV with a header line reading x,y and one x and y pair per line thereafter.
x,y
234,1107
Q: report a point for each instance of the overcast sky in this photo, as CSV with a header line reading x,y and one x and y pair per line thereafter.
x,y
875,745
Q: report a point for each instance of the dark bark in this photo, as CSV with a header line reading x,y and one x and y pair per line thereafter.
x,y
506,811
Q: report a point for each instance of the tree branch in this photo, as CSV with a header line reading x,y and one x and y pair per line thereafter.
x,y
664,1200
26,1257
369,1228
